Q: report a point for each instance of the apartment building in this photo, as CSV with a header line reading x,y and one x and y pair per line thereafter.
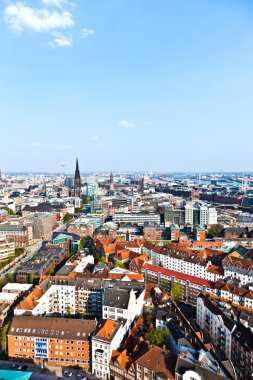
x,y
68,296
156,364
188,287
7,249
242,352
231,293
16,233
122,366
89,293
107,338
123,300
237,267
56,341
185,263
58,299
216,325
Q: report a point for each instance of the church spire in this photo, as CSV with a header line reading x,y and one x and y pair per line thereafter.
x,y
77,172
77,181
111,177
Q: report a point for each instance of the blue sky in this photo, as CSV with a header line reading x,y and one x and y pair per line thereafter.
x,y
126,84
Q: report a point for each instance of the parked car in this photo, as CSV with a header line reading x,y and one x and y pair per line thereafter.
x,y
67,374
16,367
80,376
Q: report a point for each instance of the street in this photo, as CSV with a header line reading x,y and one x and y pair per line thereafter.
x,y
49,373
29,253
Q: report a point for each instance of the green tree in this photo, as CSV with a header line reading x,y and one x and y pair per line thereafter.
x,y
5,262
32,279
215,230
19,251
176,291
82,242
50,272
10,211
4,336
118,264
67,218
84,199
158,337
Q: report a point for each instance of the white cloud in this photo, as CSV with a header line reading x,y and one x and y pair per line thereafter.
x,y
87,32
60,40
56,3
20,17
125,124
36,144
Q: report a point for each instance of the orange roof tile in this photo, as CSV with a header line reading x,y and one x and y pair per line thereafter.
x,y
107,328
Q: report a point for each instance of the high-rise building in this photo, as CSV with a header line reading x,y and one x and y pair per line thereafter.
x,y
203,215
212,216
197,213
77,181
69,182
192,214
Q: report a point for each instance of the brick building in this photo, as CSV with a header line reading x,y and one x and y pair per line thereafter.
x,y
188,287
156,364
45,260
56,341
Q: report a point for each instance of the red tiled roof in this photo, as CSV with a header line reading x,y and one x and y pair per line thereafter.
x,y
179,275
214,269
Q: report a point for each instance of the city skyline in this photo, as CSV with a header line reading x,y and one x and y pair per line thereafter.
x,y
126,85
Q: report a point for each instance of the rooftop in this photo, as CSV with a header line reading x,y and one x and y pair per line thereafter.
x,y
74,329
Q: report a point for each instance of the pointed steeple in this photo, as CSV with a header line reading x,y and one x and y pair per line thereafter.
x,y
77,172
111,177
77,181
